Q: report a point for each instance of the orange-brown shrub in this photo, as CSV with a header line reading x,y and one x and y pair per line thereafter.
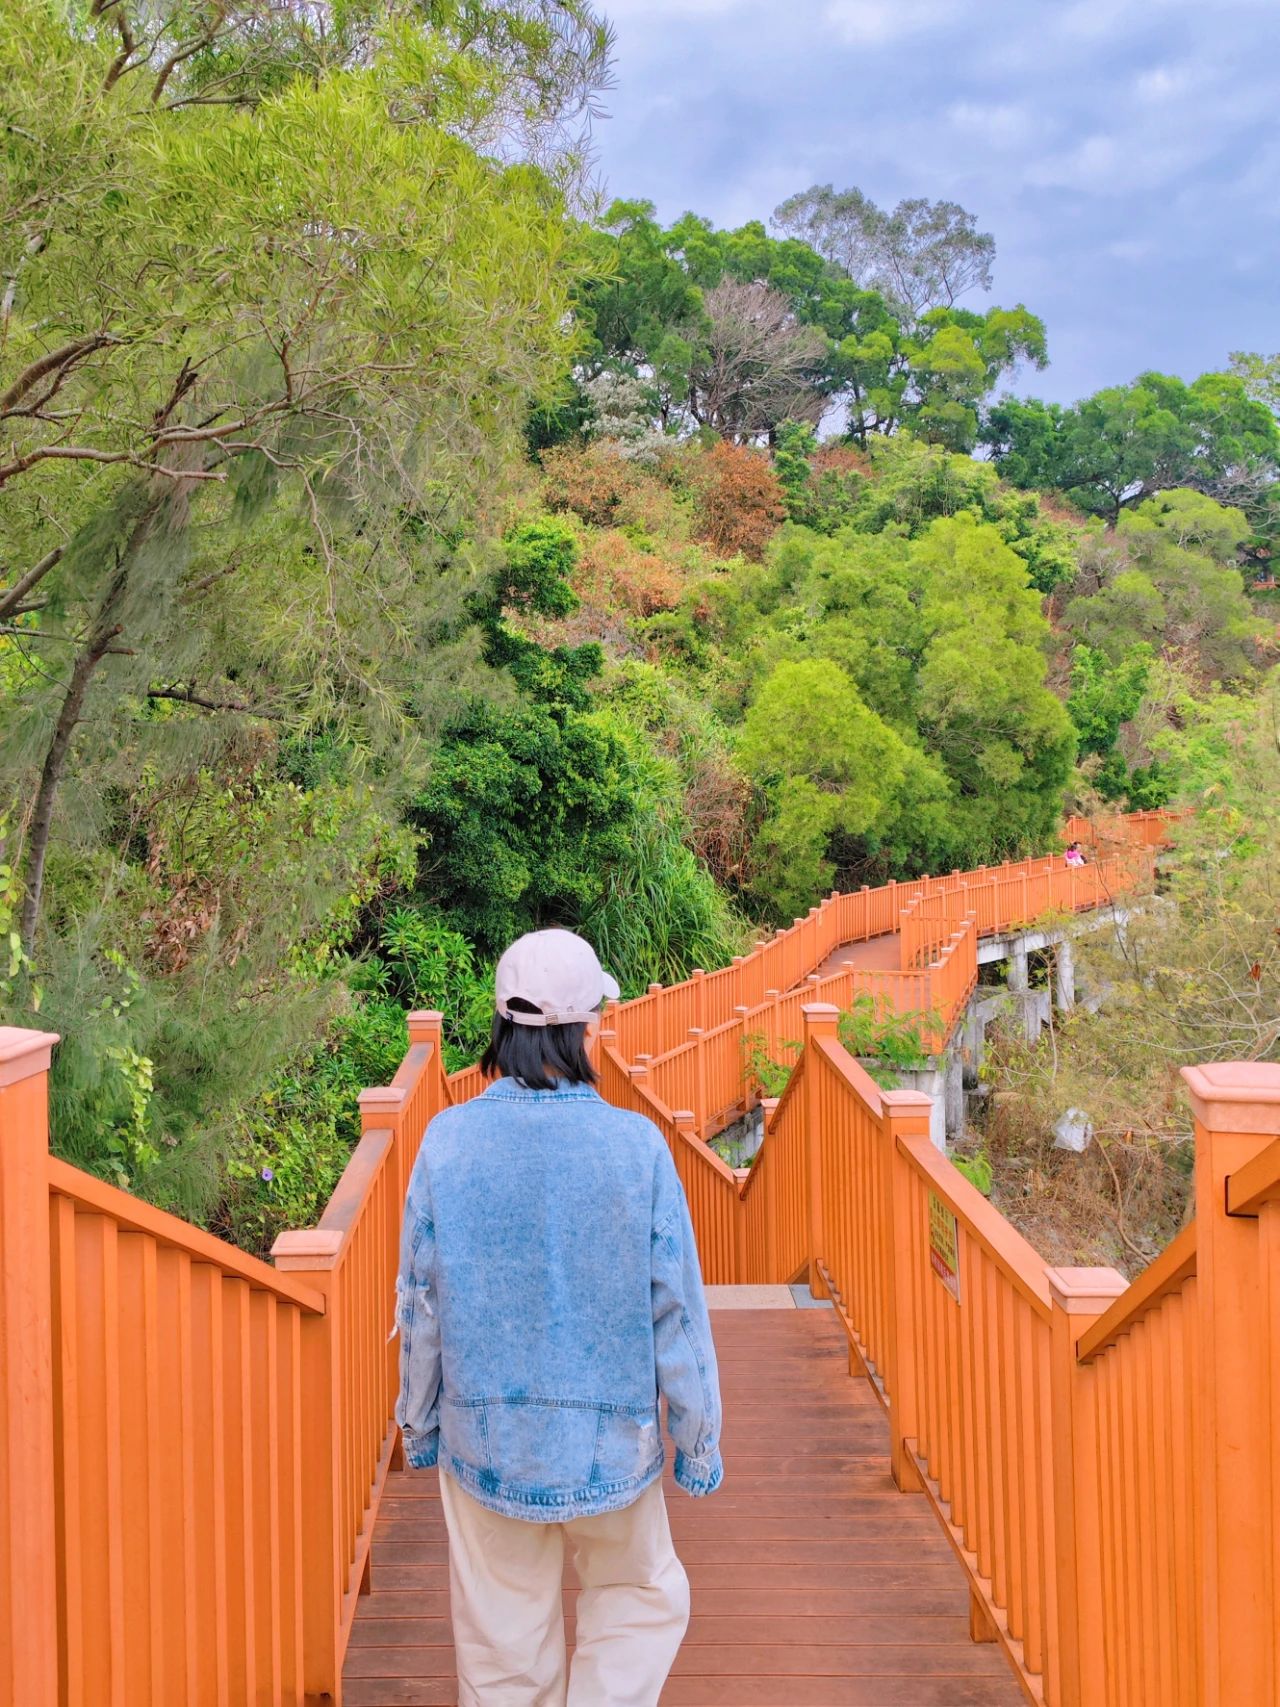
x,y
591,480
840,459
738,501
606,490
613,572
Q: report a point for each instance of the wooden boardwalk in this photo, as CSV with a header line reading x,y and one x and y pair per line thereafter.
x,y
815,1583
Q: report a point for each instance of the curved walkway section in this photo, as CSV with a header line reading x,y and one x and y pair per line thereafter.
x,y
815,1582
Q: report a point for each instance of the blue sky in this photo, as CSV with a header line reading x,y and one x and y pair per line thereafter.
x,y
1125,153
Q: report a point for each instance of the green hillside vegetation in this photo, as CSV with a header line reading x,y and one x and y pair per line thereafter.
x,y
392,560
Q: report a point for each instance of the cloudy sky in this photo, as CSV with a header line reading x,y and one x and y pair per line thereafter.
x,y
1125,153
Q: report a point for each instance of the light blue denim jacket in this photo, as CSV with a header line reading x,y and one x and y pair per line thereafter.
x,y
549,1292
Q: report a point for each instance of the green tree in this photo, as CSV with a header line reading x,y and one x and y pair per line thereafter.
x,y
676,305
210,305
1174,585
923,255
1128,442
793,465
273,282
832,767
1104,696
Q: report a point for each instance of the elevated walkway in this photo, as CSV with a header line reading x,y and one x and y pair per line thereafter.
x,y
201,1497
815,1583
871,954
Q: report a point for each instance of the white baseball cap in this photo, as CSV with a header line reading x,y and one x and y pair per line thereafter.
x,y
558,974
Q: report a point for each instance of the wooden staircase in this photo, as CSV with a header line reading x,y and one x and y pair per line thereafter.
x,y
815,1582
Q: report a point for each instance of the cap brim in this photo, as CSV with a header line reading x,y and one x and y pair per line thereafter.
x,y
611,990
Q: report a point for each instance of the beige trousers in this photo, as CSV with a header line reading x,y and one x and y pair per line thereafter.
x,y
505,1582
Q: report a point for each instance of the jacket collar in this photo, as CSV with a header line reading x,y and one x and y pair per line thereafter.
x,y
511,1090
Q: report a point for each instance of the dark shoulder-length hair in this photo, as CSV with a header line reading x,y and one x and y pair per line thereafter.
x,y
538,1056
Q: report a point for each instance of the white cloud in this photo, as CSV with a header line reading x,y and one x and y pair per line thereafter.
x,y
872,23
1163,83
1129,249
1095,19
1060,125
999,124
1092,165
621,11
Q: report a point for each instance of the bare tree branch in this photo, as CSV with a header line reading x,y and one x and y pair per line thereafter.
x,y
189,696
62,358
82,453
11,597
758,365
182,54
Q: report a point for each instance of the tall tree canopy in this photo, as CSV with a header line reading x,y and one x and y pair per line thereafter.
x,y
278,284
1128,442
218,305
676,306
923,255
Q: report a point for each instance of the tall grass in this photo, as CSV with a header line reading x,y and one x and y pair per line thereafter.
x,y
660,914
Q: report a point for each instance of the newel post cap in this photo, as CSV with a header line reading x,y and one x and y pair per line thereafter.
x,y
1236,1096
907,1113
306,1249
24,1053
904,1100
1084,1291
382,1099
821,1018
425,1025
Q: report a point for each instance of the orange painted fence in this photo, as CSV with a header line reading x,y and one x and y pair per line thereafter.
x,y
691,1034
193,1443
1104,1457
1136,829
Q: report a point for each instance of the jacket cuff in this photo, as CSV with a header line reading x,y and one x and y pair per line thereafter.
x,y
421,1450
699,1476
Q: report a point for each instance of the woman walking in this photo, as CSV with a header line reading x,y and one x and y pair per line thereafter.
x,y
549,1295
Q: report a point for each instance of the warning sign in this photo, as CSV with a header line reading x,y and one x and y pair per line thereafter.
x,y
944,1245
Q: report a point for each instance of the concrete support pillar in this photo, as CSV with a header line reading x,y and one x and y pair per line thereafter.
x,y
1019,971
1064,981
975,1041
953,1092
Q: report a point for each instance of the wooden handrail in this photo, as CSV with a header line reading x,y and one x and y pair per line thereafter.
x,y
1168,1273
1018,1261
660,1019
1256,1183
136,1216
343,1208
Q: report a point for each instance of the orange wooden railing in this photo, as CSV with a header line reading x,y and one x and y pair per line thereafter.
x,y
193,1443
1141,1358
690,1035
1135,829
1104,1458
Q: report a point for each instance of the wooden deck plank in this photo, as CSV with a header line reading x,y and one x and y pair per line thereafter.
x,y
815,1583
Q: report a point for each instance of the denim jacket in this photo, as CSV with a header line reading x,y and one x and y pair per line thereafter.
x,y
549,1293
